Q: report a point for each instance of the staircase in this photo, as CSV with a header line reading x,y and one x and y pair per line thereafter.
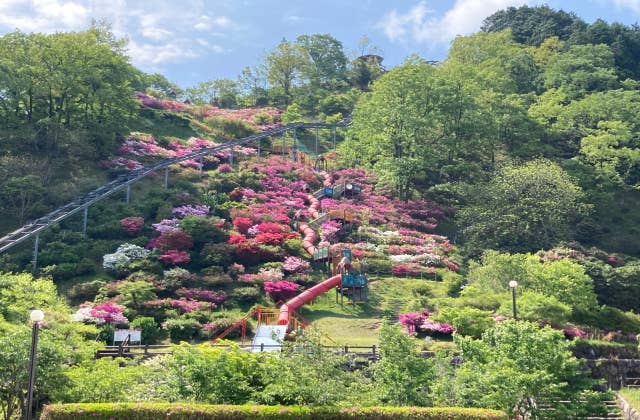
x,y
392,311
613,412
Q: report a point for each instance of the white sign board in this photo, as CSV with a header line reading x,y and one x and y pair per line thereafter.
x,y
121,335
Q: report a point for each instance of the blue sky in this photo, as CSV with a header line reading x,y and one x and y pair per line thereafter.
x,y
190,41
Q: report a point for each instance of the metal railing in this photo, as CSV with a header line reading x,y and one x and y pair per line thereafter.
x,y
124,182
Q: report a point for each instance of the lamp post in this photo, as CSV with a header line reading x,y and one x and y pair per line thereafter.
x,y
513,284
36,317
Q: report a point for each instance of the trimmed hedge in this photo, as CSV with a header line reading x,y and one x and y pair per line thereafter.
x,y
152,411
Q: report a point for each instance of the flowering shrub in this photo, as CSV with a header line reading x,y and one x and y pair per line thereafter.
x,y
225,168
174,240
281,290
197,210
166,225
419,321
121,163
204,295
101,313
132,225
329,230
242,224
574,332
124,255
175,257
269,275
296,265
182,305
432,327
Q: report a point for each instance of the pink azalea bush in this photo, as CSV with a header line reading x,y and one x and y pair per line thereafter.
x,y
296,265
281,290
419,322
101,313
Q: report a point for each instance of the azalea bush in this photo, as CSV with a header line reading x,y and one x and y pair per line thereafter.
x,y
101,313
175,257
132,225
281,290
124,256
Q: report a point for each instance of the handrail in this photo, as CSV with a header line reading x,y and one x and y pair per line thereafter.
x,y
125,180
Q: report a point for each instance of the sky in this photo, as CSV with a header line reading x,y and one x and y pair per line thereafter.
x,y
191,41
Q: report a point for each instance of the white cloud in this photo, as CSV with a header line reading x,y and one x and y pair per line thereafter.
x,y
423,26
159,32
292,19
628,4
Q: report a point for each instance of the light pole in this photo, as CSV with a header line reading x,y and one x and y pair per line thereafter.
x,y
36,317
513,284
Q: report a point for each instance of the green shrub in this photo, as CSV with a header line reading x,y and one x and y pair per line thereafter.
x,y
152,411
597,349
294,247
232,127
151,331
245,295
379,265
467,321
608,318
182,329
85,291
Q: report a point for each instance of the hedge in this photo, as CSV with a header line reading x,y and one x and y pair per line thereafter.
x,y
149,411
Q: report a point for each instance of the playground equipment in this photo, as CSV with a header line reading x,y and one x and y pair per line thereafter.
x,y
348,280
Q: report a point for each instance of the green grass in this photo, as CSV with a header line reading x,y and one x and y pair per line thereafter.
x,y
360,325
632,396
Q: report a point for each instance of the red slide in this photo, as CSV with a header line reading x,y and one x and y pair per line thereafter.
x,y
305,297
308,238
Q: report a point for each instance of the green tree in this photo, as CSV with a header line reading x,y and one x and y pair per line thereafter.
x,y
401,376
22,196
284,67
517,366
532,25
522,208
327,62
581,69
613,151
563,279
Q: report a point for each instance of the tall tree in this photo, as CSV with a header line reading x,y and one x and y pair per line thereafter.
x,y
523,209
284,67
327,61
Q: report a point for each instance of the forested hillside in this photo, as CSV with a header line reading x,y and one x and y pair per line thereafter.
x,y
435,184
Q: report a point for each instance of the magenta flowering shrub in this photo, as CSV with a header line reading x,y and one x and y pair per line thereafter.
x,y
175,257
411,270
182,305
415,322
574,332
432,327
203,295
329,230
174,240
101,313
281,290
132,225
153,102
296,265
411,320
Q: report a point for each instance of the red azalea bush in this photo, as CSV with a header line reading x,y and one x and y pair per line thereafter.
x,y
281,290
175,257
132,225
176,239
242,224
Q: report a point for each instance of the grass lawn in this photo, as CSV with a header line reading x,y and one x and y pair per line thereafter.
x,y
360,325
632,395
